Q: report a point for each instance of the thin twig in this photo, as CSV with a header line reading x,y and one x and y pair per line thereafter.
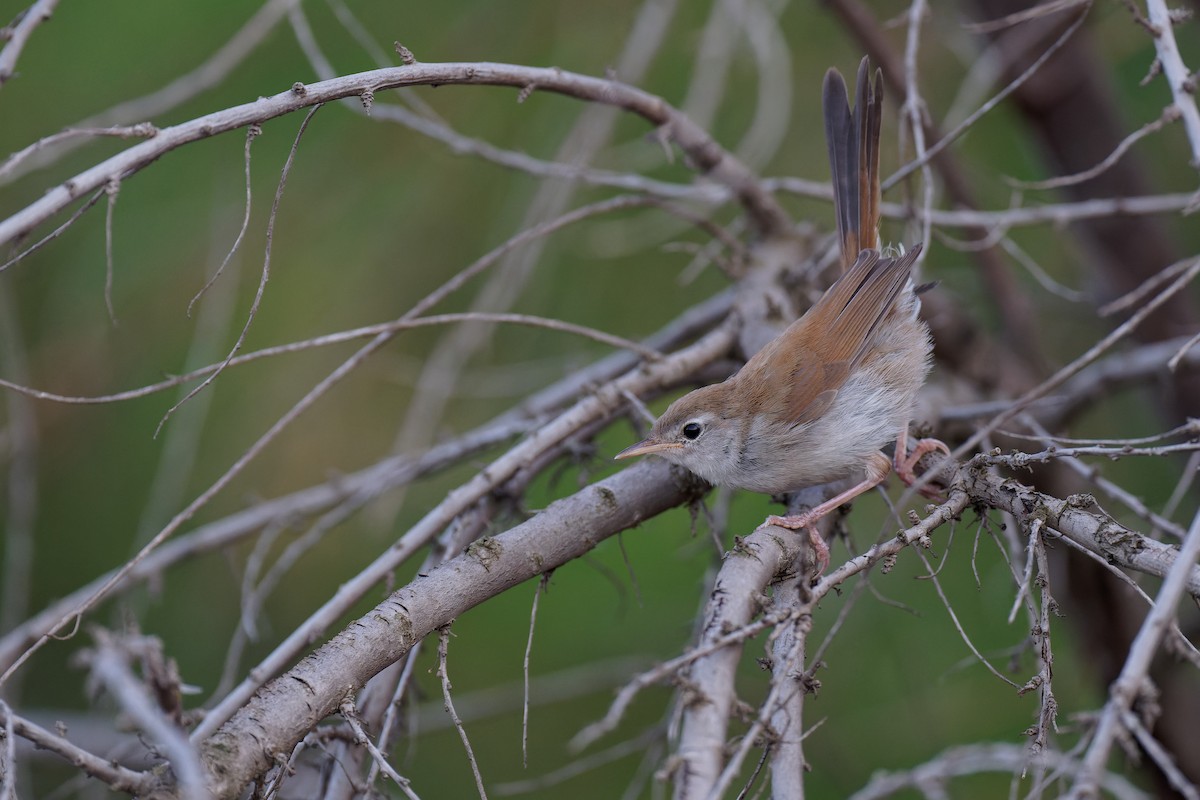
x,y
1161,758
1038,11
962,632
142,130
224,60
1092,353
999,97
1170,114
583,765
264,276
537,593
54,234
111,191
252,133
972,760
350,714
444,675
1173,363
1047,705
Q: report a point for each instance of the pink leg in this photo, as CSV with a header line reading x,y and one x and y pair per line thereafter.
x,y
877,470
903,461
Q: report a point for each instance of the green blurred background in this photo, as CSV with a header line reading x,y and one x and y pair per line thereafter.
x,y
373,217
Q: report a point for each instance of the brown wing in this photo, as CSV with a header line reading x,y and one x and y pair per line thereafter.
x,y
816,354
852,138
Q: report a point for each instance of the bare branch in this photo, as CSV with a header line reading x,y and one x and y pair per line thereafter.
x,y
706,155
252,132
975,759
1170,114
143,130
1093,530
1130,685
603,402
1056,214
264,275
359,487
444,677
1179,78
1192,268
967,123
115,776
109,663
350,714
18,36
219,65
284,710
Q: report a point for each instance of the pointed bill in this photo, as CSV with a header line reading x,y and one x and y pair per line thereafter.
x,y
646,447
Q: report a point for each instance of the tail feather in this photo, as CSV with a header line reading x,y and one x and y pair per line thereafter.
x,y
853,141
868,114
841,141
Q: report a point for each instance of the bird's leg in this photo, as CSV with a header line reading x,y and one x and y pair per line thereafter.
x,y
877,470
903,461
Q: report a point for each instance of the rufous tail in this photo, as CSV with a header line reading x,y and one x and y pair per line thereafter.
x,y
852,136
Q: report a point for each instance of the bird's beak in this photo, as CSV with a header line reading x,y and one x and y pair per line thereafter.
x,y
646,447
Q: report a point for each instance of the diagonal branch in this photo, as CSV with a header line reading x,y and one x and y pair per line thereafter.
x,y
19,34
1078,519
705,155
283,711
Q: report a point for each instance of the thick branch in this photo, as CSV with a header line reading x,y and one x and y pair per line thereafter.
x,y
736,599
287,708
1080,520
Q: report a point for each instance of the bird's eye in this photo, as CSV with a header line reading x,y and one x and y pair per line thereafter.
x,y
692,430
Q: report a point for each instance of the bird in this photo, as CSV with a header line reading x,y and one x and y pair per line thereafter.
x,y
821,400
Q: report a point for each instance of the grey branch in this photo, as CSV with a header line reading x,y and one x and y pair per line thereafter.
x,y
283,711
29,19
705,154
1080,520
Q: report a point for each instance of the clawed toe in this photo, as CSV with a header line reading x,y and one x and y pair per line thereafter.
x,y
804,522
904,464
792,522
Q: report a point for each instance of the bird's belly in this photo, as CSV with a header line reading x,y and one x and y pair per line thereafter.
x,y
866,416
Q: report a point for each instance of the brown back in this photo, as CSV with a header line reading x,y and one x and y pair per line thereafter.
x,y
815,355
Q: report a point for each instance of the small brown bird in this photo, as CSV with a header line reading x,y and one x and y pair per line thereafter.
x,y
819,402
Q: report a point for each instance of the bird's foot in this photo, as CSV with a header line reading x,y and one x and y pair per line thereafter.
x,y
797,522
903,463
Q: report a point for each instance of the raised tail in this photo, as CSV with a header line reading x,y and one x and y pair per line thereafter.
x,y
853,140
